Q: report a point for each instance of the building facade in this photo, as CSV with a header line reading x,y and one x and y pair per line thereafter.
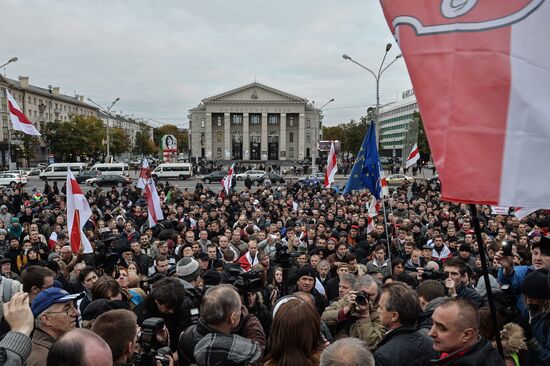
x,y
40,106
253,123
398,130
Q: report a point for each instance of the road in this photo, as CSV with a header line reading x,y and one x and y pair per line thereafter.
x,y
35,181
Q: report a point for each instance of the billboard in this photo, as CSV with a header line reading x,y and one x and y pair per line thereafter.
x,y
169,148
325,145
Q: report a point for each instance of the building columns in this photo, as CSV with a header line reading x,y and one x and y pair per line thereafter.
x,y
226,137
282,137
264,137
246,132
208,136
301,136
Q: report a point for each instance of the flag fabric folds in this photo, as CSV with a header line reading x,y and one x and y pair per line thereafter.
x,y
52,240
413,157
146,183
228,180
480,76
384,184
373,209
78,213
19,121
332,166
365,173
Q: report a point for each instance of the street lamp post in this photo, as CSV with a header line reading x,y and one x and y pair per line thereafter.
x,y
377,77
13,59
314,140
108,113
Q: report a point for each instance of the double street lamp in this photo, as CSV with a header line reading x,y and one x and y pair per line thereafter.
x,y
13,59
108,113
377,77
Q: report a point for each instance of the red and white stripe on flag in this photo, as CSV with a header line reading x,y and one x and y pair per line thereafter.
x,y
228,180
332,166
78,213
146,183
384,184
413,157
18,119
374,208
52,240
481,79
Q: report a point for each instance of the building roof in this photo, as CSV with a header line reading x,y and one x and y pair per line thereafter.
x,y
46,92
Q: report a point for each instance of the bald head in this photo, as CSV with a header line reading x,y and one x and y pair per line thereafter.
x,y
347,352
80,347
218,303
467,315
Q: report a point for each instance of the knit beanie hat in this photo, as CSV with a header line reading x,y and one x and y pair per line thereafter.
x,y
306,270
535,285
188,269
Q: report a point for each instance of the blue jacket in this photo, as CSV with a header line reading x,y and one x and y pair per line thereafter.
x,y
542,336
515,280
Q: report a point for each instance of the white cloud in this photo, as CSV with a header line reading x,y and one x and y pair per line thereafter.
x,y
162,57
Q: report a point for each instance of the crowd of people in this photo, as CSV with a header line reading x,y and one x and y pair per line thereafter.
x,y
277,275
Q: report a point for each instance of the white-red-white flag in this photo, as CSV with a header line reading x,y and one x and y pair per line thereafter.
x,y
147,184
374,207
384,184
78,213
522,212
228,180
413,157
52,240
332,166
480,74
19,121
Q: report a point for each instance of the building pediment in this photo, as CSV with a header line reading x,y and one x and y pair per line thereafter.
x,y
254,93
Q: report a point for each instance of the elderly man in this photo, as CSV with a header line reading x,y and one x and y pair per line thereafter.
x,y
80,347
55,314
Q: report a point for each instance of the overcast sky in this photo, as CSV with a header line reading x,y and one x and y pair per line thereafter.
x,y
161,57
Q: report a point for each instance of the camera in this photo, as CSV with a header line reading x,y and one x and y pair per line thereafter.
x,y
430,274
361,298
283,256
249,281
507,247
151,350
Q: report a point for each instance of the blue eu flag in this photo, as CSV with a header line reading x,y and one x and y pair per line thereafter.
x,y
365,173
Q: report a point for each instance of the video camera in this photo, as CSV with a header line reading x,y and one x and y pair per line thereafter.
x,y
283,257
151,350
249,281
430,274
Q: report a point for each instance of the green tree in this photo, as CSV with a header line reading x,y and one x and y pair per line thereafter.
x,y
181,136
27,148
423,145
119,141
144,145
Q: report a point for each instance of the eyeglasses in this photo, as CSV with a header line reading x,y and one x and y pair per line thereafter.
x,y
68,311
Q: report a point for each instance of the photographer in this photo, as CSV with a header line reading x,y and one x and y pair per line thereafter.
x,y
356,315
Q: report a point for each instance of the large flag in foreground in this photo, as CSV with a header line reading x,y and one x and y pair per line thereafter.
x,y
332,166
365,173
78,213
481,70
18,119
146,183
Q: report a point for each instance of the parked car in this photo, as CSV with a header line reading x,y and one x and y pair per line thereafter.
x,y
274,178
12,179
312,179
84,175
109,180
399,179
253,174
215,176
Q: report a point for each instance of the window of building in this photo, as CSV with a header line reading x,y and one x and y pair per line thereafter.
x,y
203,137
255,119
202,123
29,99
255,137
308,138
237,119
291,137
273,119
219,153
219,121
308,123
291,152
219,136
291,121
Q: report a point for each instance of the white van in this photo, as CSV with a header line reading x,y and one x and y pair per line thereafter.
x,y
111,168
58,171
179,171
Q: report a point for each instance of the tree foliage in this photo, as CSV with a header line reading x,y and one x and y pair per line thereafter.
x,y
27,148
144,145
423,145
119,141
350,134
181,136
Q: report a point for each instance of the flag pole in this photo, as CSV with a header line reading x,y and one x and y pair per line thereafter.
x,y
483,258
388,244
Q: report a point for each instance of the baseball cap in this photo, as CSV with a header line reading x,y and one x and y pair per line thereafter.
x,y
51,296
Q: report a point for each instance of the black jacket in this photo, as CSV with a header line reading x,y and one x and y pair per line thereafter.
x,y
468,293
480,354
404,345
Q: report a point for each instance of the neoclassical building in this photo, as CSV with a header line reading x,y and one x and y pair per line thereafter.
x,y
254,122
